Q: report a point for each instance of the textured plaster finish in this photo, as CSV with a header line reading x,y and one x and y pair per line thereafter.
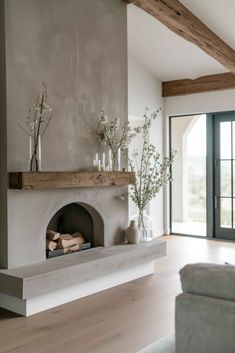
x,y
79,47
3,144
34,280
28,227
27,307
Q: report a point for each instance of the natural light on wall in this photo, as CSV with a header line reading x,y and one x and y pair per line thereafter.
x,y
188,196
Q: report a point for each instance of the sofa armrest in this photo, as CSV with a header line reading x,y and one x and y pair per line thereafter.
x,y
210,280
204,324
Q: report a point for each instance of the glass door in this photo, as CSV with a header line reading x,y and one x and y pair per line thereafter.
x,y
224,173
189,172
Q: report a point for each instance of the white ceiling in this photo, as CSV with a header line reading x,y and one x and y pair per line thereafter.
x,y
170,57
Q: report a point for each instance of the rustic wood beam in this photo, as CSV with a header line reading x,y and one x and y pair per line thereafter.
x,y
183,22
199,85
57,180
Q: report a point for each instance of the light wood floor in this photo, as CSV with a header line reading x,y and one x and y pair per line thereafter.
x,y
124,319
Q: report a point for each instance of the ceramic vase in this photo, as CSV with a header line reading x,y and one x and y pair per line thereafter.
x,y
132,233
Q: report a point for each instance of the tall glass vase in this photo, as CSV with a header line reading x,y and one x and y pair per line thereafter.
x,y
115,160
145,225
35,154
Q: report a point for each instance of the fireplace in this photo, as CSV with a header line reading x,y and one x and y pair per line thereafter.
x,y
78,85
32,211
33,283
75,227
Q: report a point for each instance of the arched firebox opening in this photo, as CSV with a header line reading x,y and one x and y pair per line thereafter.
x,y
75,227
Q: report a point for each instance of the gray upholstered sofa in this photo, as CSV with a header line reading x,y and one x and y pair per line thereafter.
x,y
205,311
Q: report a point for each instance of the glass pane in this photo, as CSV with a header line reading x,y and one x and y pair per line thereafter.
x,y
233,213
225,140
226,213
225,179
189,175
234,177
233,139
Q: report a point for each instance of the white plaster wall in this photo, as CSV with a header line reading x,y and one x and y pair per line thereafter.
x,y
200,103
179,127
144,90
209,102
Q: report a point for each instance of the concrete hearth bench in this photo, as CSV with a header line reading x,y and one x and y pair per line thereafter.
x,y
30,289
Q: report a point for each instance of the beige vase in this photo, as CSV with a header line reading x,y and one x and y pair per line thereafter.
x,y
132,233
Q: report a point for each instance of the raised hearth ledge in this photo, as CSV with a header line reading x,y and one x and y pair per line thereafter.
x,y
31,306
59,180
30,289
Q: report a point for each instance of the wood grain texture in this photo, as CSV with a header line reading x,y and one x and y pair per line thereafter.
x,y
3,144
184,23
199,85
124,319
58,180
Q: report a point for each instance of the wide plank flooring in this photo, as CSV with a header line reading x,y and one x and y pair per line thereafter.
x,y
123,319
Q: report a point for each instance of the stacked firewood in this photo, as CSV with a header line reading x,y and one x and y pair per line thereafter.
x,y
69,243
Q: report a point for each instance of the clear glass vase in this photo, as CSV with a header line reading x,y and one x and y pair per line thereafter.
x,y
115,160
145,226
35,155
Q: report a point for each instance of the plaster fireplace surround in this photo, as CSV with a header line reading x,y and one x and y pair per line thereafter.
x,y
79,48
33,284
40,206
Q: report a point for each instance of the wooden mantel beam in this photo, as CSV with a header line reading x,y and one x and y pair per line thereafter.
x,y
183,22
199,85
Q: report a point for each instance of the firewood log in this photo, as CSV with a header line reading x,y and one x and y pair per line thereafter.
x,y
65,236
51,245
52,235
69,236
77,234
67,243
71,249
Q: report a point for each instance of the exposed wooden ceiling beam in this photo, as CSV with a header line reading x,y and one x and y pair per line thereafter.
x,y
183,22
199,85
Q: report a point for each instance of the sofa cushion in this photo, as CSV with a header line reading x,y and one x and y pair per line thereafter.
x,y
210,280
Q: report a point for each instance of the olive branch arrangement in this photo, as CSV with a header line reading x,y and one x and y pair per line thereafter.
x,y
37,122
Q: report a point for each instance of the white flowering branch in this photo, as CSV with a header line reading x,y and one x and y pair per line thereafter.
x,y
37,124
151,172
110,134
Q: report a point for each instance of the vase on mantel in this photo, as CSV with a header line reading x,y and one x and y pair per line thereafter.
x,y
115,160
35,154
145,225
132,233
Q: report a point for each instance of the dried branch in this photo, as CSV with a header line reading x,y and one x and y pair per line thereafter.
x,y
24,130
37,123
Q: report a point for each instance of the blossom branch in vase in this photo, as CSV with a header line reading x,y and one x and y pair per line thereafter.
x,y
116,138
152,172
